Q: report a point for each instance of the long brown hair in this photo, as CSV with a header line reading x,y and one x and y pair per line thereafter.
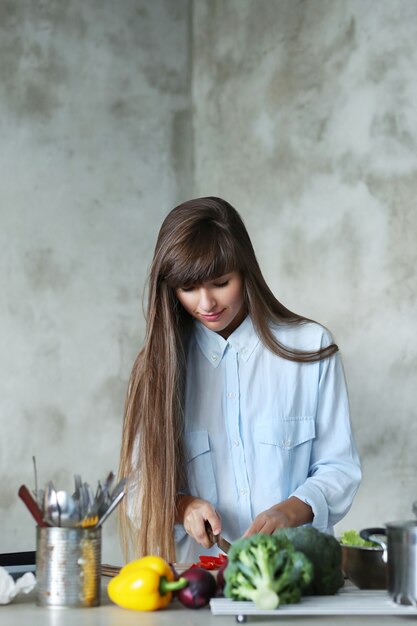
x,y
199,240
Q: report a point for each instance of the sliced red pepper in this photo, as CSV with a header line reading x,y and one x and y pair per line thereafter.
x,y
205,558
205,565
208,565
210,562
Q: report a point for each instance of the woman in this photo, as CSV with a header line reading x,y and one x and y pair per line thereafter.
x,y
237,411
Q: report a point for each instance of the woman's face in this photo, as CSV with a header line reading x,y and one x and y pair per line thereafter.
x,y
218,303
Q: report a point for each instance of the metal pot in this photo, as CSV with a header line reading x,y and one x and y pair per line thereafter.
x,y
399,541
364,566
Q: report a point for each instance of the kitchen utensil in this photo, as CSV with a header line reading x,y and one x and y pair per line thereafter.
x,y
51,508
69,512
83,509
110,508
68,564
222,543
82,496
88,522
77,493
89,501
35,472
103,497
400,540
118,488
364,566
32,505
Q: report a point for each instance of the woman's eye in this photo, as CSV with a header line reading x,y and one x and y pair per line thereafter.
x,y
223,284
186,289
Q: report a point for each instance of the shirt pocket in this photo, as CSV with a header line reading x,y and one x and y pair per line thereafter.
x,y
283,450
199,465
286,433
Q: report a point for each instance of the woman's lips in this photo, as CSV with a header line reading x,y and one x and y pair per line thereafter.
x,y
212,317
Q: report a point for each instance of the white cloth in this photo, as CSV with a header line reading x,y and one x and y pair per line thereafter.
x,y
9,589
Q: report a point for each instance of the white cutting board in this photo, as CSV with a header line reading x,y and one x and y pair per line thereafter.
x,y
350,601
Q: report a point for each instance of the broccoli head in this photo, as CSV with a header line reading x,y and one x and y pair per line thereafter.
x,y
324,552
267,570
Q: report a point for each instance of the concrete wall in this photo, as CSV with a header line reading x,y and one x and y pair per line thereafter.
x,y
94,119
302,114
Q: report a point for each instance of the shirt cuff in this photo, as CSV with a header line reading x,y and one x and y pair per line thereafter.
x,y
179,532
312,496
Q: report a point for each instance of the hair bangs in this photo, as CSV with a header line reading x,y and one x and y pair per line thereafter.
x,y
201,260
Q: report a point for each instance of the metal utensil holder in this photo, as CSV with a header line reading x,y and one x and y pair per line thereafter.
x,y
68,563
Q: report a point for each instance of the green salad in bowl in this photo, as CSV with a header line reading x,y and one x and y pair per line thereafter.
x,y
363,561
353,538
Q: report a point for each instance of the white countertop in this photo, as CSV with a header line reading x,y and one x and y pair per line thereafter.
x,y
24,612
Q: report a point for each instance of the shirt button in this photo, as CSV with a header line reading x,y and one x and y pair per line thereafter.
x,y
235,443
231,395
214,357
242,492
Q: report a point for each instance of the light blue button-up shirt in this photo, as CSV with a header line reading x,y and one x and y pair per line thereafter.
x,y
260,428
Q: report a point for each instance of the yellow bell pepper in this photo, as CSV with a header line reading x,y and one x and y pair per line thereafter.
x,y
144,584
151,562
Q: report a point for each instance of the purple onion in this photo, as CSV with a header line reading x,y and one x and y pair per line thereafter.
x,y
200,589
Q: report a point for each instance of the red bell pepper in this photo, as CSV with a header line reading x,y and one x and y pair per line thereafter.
x,y
210,562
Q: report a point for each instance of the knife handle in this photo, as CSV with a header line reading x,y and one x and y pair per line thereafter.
x,y
209,532
32,505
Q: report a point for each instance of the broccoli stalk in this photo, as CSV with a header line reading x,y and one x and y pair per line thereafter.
x,y
258,590
266,570
256,566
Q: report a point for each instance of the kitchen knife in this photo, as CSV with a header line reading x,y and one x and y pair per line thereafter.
x,y
32,505
217,539
223,543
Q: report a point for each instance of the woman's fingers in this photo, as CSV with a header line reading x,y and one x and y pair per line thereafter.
x,y
215,522
196,513
266,522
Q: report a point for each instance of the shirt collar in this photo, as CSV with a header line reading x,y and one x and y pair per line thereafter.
x,y
243,340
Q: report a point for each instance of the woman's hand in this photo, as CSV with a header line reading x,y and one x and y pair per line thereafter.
x,y
193,513
291,512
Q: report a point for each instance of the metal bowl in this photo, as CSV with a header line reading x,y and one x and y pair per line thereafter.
x,y
364,567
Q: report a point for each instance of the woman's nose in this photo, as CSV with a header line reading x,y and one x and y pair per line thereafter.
x,y
206,300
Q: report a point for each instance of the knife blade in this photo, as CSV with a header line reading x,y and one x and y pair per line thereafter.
x,y
222,543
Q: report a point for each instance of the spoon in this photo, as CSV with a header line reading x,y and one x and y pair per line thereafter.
x,y
69,514
52,505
